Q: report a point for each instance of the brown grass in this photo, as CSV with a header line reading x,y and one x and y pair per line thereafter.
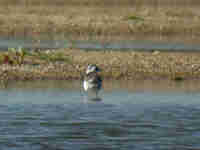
x,y
82,20
71,63
99,2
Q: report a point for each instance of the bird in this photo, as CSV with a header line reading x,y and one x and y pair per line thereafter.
x,y
92,80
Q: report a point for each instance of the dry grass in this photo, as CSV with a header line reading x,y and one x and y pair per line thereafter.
x,y
84,21
99,2
71,63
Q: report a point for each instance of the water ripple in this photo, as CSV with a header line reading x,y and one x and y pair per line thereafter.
x,y
138,122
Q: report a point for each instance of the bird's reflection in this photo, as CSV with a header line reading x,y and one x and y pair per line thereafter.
x,y
92,96
97,99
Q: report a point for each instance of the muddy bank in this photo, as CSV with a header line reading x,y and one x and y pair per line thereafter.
x,y
69,64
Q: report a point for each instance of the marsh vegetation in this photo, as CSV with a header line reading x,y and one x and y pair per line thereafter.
x,y
70,64
99,18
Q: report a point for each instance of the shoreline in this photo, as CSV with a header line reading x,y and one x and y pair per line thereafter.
x,y
69,64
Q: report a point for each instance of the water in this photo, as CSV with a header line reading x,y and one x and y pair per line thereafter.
x,y
148,43
29,43
136,45
142,115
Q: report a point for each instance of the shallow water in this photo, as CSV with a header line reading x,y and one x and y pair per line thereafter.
x,y
131,115
144,43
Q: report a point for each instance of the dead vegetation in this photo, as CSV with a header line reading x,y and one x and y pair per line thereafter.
x,y
71,63
82,20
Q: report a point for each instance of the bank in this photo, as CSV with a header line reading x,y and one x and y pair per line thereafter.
x,y
69,64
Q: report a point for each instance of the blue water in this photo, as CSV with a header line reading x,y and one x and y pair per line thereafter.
x,y
137,44
142,115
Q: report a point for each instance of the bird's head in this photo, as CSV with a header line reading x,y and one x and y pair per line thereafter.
x,y
92,68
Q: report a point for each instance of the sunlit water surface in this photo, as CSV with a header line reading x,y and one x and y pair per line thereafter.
x,y
56,115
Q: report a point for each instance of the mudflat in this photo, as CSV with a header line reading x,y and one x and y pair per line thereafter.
x,y
67,64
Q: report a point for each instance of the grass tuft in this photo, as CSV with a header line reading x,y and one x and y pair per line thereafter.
x,y
135,18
